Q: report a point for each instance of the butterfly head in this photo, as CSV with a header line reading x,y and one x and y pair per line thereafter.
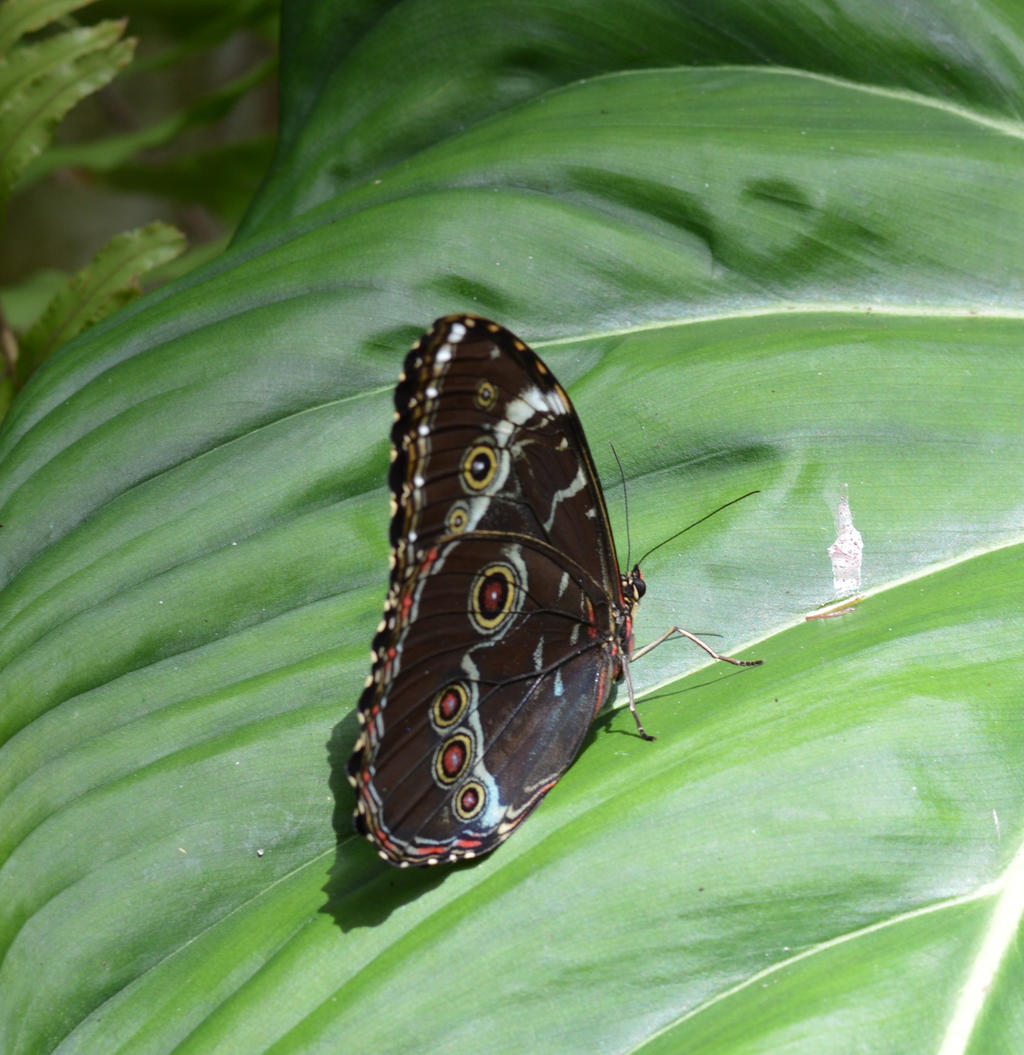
x,y
633,586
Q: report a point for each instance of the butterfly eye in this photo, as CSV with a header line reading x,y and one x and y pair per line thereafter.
x,y
479,466
639,586
486,395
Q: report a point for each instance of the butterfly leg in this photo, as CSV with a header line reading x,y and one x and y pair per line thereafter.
x,y
697,641
632,704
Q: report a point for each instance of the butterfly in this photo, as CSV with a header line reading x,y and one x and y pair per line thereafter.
x,y
507,619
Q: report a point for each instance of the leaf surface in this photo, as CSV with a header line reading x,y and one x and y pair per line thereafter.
x,y
747,277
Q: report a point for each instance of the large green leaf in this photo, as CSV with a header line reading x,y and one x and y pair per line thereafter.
x,y
747,277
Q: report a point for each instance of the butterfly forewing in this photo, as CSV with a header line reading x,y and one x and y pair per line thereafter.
x,y
499,447
505,622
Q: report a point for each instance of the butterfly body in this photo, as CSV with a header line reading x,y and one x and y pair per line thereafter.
x,y
507,620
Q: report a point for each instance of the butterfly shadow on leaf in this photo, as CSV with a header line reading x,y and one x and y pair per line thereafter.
x,y
361,890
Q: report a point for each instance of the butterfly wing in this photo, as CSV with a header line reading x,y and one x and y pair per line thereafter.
x,y
488,673
504,624
484,439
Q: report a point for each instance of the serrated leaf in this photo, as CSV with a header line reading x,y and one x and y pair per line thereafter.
x,y
108,153
109,281
42,81
21,17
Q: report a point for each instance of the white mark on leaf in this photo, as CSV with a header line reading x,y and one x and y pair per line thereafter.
x,y
847,550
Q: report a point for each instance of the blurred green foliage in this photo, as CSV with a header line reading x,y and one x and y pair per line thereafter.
x,y
128,131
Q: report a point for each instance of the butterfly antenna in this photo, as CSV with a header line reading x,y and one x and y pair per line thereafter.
x,y
708,516
625,501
